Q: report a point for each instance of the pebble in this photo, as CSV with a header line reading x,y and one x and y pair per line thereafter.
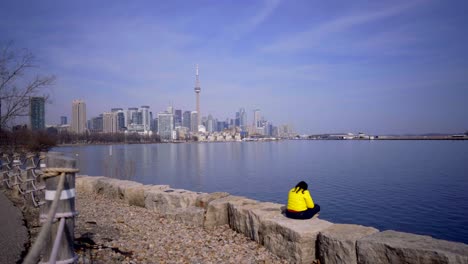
x,y
130,234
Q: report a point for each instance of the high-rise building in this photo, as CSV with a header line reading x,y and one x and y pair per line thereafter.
x,y
37,113
129,117
194,121
257,118
154,125
186,119
78,116
120,118
109,120
165,125
243,119
63,120
197,94
210,124
96,124
177,117
145,117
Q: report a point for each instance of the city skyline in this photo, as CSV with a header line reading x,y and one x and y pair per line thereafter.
x,y
384,68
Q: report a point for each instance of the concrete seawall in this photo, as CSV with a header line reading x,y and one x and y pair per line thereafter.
x,y
298,241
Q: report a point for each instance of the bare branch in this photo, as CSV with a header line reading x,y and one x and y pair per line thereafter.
x,y
14,94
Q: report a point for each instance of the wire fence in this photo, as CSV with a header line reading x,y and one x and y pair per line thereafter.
x,y
46,182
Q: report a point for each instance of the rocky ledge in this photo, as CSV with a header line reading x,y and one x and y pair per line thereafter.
x,y
125,221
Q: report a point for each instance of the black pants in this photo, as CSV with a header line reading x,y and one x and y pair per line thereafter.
x,y
307,214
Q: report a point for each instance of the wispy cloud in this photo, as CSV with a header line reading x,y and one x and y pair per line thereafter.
x,y
313,37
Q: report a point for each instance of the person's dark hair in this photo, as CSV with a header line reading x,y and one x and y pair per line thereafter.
x,y
301,186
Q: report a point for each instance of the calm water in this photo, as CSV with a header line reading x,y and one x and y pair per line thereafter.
x,y
411,186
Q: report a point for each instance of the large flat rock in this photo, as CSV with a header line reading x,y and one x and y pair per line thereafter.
x,y
294,240
205,198
247,215
169,199
217,211
190,215
114,188
135,195
238,213
337,244
397,247
87,184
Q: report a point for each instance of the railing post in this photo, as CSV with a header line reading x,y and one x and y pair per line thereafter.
x,y
58,163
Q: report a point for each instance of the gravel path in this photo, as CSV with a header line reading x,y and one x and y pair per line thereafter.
x,y
110,231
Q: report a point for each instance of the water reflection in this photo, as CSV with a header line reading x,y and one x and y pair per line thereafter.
x,y
413,186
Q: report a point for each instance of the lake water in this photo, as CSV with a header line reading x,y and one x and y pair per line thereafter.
x,y
411,186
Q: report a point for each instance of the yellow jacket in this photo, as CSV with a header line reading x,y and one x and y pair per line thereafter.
x,y
299,201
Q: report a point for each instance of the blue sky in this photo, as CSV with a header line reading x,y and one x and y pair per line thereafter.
x,y
322,66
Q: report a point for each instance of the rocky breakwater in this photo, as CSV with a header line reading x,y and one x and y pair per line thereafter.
x,y
297,241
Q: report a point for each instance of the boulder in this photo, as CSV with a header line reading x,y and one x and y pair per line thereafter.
x,y
135,195
114,188
190,215
205,198
398,247
217,211
246,216
86,184
337,244
238,215
294,240
169,199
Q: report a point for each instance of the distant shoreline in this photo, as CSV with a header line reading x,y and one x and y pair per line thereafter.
x,y
323,139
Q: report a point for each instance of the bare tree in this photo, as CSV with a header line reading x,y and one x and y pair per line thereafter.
x,y
16,83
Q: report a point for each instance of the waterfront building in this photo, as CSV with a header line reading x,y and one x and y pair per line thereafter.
x,y
145,117
243,119
78,116
120,118
182,133
109,120
285,131
197,94
194,121
186,119
154,125
257,118
210,125
96,124
63,120
37,113
177,117
129,116
165,125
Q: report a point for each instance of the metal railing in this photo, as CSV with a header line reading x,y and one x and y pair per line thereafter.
x,y
48,182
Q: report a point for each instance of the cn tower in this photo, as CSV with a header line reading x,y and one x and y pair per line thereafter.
x,y
197,94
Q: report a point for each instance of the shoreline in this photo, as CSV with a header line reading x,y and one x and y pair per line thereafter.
x,y
298,241
296,139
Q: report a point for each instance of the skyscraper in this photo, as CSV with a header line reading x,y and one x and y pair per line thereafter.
x,y
129,120
177,118
145,116
186,119
243,119
37,113
78,116
120,118
194,121
257,118
165,125
109,120
197,94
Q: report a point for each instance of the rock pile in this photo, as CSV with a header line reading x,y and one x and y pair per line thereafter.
x,y
167,211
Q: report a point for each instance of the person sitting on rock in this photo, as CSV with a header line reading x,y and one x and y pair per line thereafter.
x,y
300,203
